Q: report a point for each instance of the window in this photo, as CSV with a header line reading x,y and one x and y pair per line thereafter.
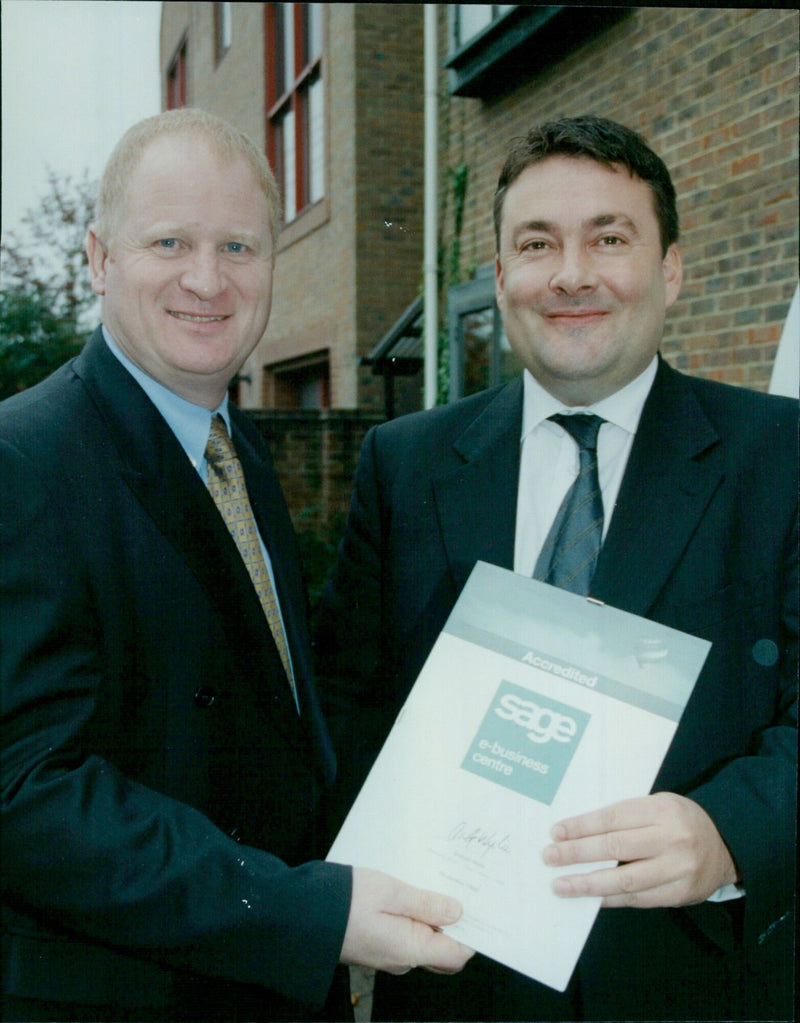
x,y
302,383
495,47
469,20
176,79
295,113
480,355
222,30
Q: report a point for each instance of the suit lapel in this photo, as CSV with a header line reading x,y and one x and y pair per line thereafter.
x,y
664,493
665,490
184,512
476,502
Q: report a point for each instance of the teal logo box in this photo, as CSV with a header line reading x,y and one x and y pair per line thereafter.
x,y
526,742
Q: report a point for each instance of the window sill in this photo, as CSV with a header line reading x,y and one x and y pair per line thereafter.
x,y
309,220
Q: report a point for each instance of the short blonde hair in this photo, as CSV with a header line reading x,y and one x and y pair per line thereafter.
x,y
224,139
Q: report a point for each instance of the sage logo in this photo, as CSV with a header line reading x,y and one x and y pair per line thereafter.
x,y
545,724
526,742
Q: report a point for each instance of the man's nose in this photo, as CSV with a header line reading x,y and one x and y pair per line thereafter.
x,y
574,272
202,275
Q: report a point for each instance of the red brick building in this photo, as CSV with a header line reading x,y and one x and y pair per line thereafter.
x,y
715,91
335,94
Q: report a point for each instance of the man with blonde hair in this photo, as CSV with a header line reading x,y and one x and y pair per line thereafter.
x,y
163,748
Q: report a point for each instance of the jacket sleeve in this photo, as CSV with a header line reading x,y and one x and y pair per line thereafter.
x,y
752,798
87,849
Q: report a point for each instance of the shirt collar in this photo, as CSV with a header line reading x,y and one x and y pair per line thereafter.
x,y
624,408
189,422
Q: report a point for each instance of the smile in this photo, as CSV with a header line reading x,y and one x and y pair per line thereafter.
x,y
196,318
576,314
577,318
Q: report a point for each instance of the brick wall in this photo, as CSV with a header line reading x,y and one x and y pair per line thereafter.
x,y
341,285
174,23
314,294
389,127
232,87
315,454
715,91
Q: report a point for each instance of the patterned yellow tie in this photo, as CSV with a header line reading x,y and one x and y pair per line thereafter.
x,y
227,487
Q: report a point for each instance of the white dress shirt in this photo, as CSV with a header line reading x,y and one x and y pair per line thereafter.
x,y
549,459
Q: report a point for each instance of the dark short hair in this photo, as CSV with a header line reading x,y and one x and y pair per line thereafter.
x,y
593,138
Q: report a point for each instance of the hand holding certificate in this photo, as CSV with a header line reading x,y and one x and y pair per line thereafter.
x,y
534,706
394,927
671,850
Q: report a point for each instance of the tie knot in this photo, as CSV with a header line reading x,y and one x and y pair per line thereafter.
x,y
219,446
582,427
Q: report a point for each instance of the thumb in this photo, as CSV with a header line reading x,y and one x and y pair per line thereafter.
x,y
432,908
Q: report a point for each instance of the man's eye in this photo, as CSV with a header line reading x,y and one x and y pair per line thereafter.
x,y
167,243
611,240
535,245
235,247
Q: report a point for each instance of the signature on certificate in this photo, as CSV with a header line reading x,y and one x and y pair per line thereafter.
x,y
479,840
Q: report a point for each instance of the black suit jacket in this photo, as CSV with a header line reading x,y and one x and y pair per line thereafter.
x,y
703,538
160,788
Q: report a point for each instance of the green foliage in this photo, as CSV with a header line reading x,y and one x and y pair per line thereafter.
x,y
34,340
47,301
450,271
459,177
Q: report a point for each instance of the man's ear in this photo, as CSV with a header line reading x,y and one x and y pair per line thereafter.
x,y
673,274
97,255
498,282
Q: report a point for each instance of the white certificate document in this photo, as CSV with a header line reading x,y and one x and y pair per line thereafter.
x,y
535,704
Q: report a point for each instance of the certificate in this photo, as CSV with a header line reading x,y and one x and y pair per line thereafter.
x,y
534,704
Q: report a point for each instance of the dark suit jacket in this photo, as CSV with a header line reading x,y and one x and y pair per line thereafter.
x,y
703,539
159,787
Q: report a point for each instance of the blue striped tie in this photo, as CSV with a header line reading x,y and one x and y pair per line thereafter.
x,y
569,555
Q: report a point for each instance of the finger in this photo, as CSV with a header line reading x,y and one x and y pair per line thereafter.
x,y
650,898
432,908
626,882
629,813
442,954
641,843
385,930
413,944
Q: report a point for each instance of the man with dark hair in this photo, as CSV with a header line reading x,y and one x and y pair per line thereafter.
x,y
605,142
694,525
163,747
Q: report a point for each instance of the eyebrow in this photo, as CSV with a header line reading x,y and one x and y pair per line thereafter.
x,y
609,219
601,220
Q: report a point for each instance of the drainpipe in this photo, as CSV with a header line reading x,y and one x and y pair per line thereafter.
x,y
431,298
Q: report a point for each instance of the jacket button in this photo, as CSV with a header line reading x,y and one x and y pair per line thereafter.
x,y
235,834
205,696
